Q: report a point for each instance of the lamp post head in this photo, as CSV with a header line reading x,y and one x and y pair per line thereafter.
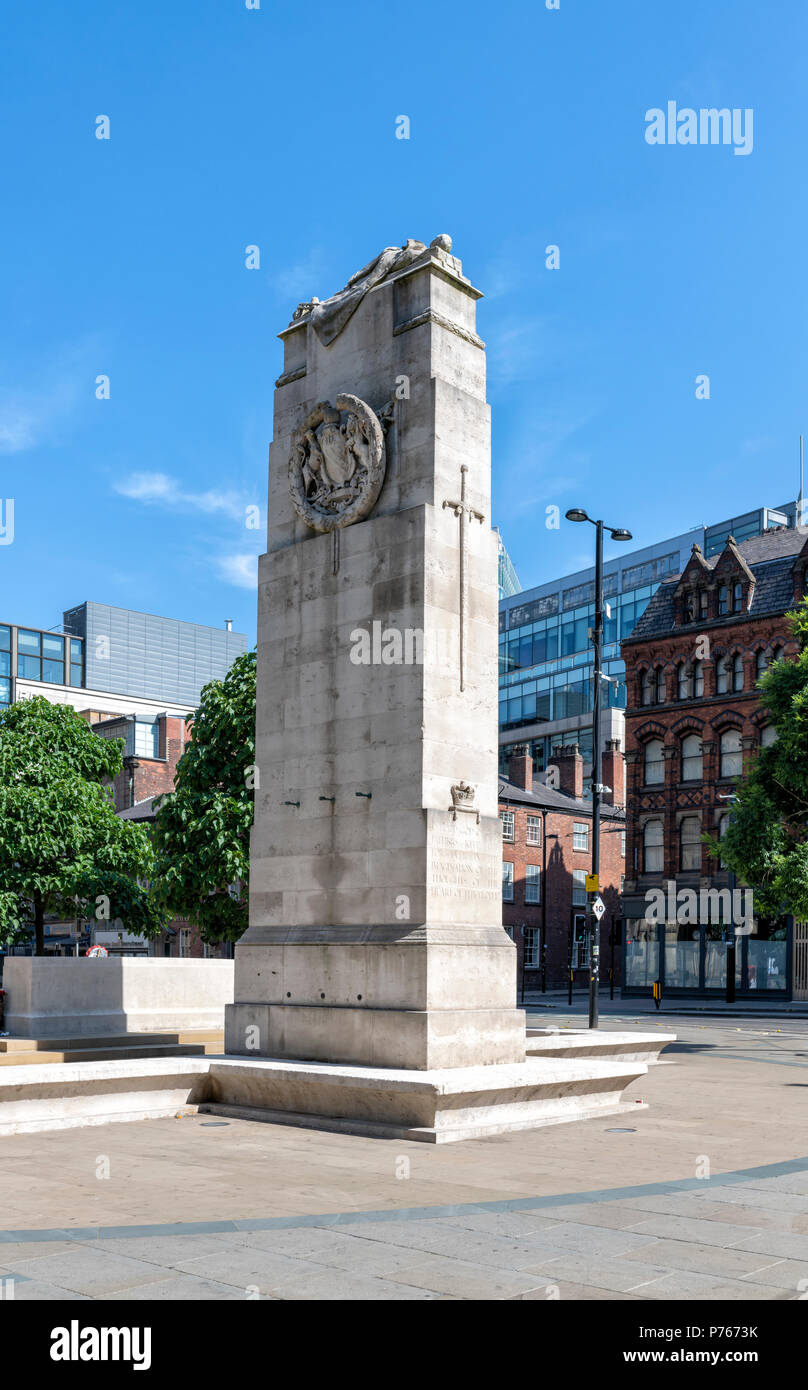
x,y
576,514
619,534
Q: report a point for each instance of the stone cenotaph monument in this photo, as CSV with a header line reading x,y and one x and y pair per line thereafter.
x,y
375,987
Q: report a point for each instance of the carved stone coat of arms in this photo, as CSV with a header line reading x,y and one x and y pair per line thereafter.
x,y
337,463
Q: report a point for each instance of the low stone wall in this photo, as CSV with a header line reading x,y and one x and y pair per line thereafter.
x,y
85,996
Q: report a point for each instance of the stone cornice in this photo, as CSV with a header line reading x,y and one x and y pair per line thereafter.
x,y
432,316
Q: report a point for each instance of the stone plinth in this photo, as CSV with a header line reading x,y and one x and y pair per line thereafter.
x,y
436,1106
75,996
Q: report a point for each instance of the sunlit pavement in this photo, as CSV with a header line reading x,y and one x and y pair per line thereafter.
x,y
702,1196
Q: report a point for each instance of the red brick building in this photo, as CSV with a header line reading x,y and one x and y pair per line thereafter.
x,y
693,723
152,749
546,855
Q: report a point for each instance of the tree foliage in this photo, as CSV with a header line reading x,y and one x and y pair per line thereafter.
x,y
202,830
62,847
766,843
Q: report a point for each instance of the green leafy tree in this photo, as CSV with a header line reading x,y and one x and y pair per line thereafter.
x,y
202,830
766,843
62,847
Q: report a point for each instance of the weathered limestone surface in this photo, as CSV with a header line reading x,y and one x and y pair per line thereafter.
x,y
76,997
375,985
375,909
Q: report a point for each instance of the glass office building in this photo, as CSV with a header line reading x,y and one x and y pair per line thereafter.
x,y
32,654
507,578
110,651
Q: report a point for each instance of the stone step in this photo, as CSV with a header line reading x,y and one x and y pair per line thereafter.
x,y
110,1040
436,1107
35,1099
430,1106
102,1054
585,1042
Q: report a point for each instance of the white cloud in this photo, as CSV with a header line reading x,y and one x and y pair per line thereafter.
x,y
34,414
303,280
161,487
239,569
17,427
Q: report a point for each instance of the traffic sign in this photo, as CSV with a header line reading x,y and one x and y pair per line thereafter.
x,y
598,907
592,884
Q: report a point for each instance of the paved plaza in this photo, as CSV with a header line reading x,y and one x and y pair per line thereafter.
x,y
196,1208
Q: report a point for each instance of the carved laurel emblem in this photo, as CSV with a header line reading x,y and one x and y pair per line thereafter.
x,y
463,799
337,464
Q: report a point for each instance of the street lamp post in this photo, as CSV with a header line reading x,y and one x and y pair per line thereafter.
x,y
596,633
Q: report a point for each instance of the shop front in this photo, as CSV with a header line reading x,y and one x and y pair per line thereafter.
x,y
691,959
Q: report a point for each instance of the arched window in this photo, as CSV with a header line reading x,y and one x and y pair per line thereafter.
x,y
648,687
659,686
731,754
737,672
777,654
768,736
722,675
691,758
722,600
702,603
654,761
690,608
760,663
723,827
653,847
698,679
682,681
737,598
690,844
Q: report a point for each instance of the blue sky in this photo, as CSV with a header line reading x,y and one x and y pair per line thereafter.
x,y
231,127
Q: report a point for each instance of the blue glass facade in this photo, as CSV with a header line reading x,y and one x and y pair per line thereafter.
x,y
37,655
546,666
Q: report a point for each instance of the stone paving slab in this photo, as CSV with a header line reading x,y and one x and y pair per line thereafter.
x,y
186,1288
594,1240
463,1279
758,1195
91,1272
250,1268
702,1259
35,1291
612,1273
692,1229
332,1249
790,1275
519,1225
334,1286
575,1293
706,1287
169,1250
787,1246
